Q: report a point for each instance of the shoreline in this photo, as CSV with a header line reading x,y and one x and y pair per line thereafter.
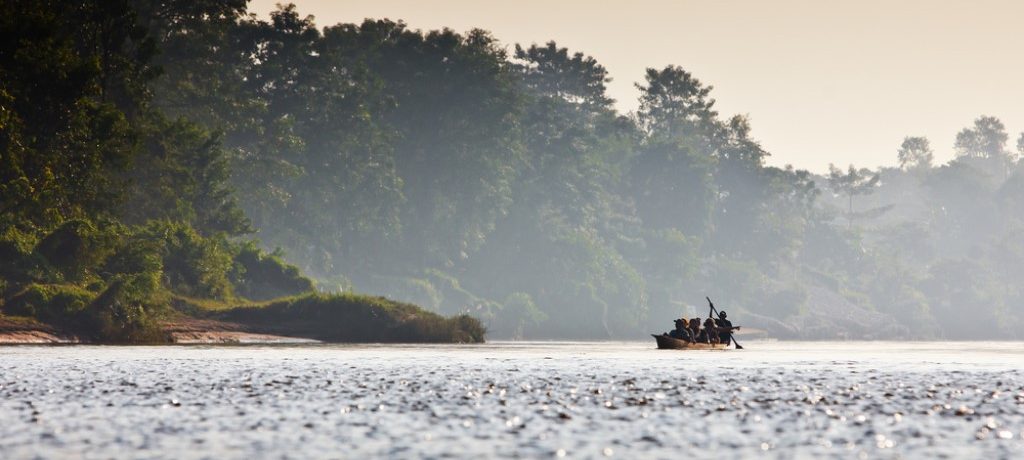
x,y
182,331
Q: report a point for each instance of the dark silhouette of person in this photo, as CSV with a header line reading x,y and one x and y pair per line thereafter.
x,y
710,332
695,329
725,328
681,332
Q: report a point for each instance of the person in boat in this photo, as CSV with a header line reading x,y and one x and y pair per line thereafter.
x,y
695,329
681,332
710,332
725,328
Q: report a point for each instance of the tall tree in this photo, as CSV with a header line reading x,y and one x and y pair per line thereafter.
x,y
551,71
674,103
984,146
985,139
72,79
915,153
852,183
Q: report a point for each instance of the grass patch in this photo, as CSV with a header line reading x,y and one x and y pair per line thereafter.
x,y
124,312
355,318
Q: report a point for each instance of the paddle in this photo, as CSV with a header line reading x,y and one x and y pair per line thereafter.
x,y
731,335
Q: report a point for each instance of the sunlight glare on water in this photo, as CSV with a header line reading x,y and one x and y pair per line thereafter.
x,y
592,399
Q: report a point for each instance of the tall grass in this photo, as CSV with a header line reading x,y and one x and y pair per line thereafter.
x,y
356,318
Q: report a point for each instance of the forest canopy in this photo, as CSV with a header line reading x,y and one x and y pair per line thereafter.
x,y
194,149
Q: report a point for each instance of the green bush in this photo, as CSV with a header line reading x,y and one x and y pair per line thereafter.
x,y
135,256
417,290
356,318
261,276
127,311
192,265
76,247
19,263
57,304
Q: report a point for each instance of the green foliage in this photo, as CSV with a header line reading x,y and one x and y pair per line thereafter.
x,y
127,311
192,265
416,290
140,140
261,276
183,177
50,303
356,318
20,263
74,248
516,314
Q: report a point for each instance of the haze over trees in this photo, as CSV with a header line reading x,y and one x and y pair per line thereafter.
x,y
468,176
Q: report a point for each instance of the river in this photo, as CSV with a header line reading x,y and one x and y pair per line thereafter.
x,y
514,399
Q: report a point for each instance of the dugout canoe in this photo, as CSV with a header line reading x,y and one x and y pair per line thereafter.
x,y
669,343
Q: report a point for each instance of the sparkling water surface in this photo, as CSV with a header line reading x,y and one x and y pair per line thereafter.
x,y
514,399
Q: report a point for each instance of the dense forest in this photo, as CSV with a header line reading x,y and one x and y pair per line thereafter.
x,y
120,221
160,151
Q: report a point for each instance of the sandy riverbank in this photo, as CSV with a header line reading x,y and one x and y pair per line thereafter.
x,y
23,331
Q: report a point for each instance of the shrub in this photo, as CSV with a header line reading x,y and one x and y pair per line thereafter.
x,y
192,265
58,304
417,290
76,247
127,311
19,263
261,276
356,318
135,256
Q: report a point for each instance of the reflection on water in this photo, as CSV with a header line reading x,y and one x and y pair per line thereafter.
x,y
879,399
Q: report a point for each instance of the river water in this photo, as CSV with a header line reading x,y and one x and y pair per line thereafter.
x,y
511,399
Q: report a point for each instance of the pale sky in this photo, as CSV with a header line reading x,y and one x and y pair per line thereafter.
x,y
822,81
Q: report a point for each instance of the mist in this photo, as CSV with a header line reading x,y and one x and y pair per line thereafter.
x,y
465,175
469,176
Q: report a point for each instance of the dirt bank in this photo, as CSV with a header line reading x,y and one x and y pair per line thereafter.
x,y
23,331
28,331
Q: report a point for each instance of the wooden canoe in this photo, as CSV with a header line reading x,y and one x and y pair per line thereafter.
x,y
669,343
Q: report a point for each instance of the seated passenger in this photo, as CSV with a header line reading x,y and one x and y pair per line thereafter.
x,y
680,332
710,332
695,329
684,330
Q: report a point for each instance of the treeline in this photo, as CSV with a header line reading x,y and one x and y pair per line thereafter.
x,y
944,243
466,176
117,211
447,170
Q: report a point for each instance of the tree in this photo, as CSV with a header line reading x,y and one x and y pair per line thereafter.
x,y
915,153
550,70
72,80
986,139
852,183
674,103
984,145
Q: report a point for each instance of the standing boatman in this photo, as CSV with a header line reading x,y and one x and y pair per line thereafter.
x,y
725,326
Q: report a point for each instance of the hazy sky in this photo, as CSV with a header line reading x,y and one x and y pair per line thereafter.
x,y
823,81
